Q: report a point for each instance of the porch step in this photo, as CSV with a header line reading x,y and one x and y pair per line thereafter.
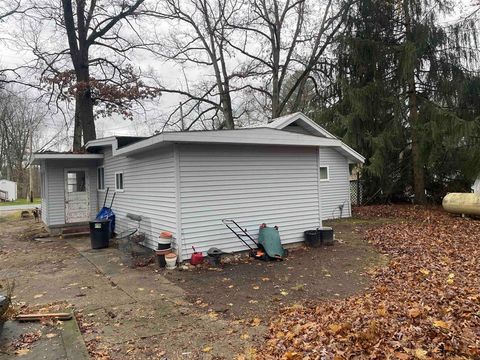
x,y
76,231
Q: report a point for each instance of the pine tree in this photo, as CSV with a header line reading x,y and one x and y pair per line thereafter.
x,y
407,96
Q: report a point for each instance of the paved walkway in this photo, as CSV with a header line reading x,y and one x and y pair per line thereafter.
x,y
124,313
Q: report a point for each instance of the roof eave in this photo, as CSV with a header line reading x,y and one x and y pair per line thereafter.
x,y
108,141
39,157
216,138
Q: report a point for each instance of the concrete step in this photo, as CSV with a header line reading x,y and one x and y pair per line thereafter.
x,y
76,231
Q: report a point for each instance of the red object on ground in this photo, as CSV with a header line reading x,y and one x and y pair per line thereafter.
x,y
197,257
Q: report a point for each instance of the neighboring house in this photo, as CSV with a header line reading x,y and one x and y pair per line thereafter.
x,y
291,173
8,190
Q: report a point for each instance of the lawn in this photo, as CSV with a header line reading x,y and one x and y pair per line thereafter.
x,y
424,304
36,201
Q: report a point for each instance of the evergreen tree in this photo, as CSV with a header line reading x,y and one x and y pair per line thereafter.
x,y
407,97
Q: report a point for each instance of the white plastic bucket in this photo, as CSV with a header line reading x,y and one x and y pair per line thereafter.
x,y
171,260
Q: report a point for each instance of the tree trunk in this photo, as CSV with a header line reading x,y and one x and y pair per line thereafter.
x,y
413,118
417,162
77,129
83,106
276,86
84,115
227,111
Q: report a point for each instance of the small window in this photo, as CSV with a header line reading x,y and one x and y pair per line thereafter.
x,y
324,173
119,181
76,181
101,178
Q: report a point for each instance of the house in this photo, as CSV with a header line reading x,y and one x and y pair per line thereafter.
x,y
291,173
8,190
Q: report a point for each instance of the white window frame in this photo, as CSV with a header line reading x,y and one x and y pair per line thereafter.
x,y
98,178
123,182
320,173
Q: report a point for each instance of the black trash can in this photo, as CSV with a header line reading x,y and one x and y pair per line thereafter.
x,y
326,234
313,238
100,233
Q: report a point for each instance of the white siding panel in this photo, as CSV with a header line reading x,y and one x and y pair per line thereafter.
x,y
336,191
149,191
55,170
251,184
44,192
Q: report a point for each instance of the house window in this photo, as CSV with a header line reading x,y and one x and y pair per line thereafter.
x,y
101,178
119,181
324,173
76,181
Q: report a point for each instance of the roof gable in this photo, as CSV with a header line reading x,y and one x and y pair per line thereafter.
x,y
304,122
300,119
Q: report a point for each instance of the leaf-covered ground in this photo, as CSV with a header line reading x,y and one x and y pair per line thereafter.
x,y
424,304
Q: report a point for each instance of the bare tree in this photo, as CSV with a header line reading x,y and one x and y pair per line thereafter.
x,y
7,10
94,69
199,38
20,121
285,40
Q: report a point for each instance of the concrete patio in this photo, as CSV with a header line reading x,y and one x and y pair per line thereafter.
x,y
123,312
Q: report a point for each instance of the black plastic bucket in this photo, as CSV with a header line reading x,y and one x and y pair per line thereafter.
x,y
164,246
100,233
313,238
319,237
326,234
162,250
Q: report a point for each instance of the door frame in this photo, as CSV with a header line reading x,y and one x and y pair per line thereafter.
x,y
65,192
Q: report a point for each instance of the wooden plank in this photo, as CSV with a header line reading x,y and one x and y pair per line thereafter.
x,y
40,316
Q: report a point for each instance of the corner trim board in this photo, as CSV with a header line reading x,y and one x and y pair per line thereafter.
x,y
178,205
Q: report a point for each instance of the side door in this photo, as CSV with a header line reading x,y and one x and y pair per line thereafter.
x,y
77,199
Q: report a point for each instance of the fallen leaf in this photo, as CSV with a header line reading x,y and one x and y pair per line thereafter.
x,y
284,293
21,352
299,287
440,324
424,272
450,279
50,335
38,296
335,328
256,321
414,312
420,354
291,355
256,287
382,311
213,314
207,349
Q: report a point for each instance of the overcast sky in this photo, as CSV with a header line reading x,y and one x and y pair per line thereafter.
x,y
145,122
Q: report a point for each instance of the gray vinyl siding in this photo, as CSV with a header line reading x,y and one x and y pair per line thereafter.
x,y
149,191
55,189
336,191
251,184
